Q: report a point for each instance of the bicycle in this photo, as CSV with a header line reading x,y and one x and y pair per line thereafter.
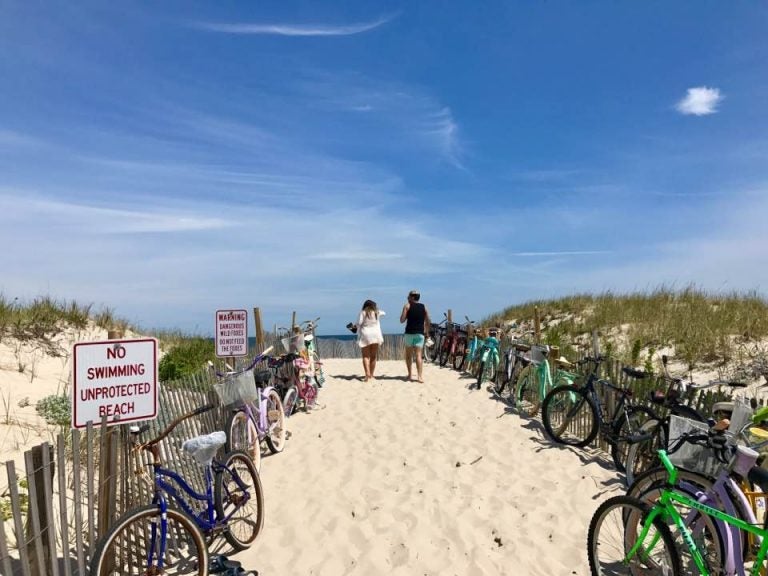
x,y
516,358
449,344
644,541
437,334
576,415
488,357
251,424
168,536
462,342
471,346
641,455
290,376
536,379
310,353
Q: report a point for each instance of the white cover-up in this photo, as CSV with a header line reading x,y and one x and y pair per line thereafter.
x,y
369,329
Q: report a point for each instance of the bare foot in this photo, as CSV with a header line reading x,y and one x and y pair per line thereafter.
x,y
421,380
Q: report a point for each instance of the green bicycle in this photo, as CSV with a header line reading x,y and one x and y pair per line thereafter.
x,y
630,536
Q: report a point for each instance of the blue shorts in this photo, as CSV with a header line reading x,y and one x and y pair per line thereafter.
x,y
416,340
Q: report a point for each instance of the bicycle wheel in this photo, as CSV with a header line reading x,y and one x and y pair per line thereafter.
x,y
445,352
616,527
310,396
289,401
482,369
458,355
570,416
275,423
239,499
243,435
528,394
133,546
624,429
427,352
643,455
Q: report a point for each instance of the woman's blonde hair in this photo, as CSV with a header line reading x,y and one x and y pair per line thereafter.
x,y
370,308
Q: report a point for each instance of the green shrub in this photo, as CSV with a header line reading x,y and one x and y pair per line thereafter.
x,y
186,357
55,409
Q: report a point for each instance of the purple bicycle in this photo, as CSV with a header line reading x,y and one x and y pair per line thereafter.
x,y
257,411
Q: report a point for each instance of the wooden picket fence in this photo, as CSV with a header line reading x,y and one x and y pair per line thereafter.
x,y
55,511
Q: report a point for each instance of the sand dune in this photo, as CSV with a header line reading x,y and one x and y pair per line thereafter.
x,y
395,477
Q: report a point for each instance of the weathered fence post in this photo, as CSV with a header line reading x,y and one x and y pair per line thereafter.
x,y
259,329
450,316
536,325
41,556
293,322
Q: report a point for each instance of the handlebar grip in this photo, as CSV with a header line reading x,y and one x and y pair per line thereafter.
x,y
202,409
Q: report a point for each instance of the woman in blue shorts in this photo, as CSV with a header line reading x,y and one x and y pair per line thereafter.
x,y
416,319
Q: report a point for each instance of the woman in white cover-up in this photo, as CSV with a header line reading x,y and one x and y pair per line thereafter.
x,y
369,336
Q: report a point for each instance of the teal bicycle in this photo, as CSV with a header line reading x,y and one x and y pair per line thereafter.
x,y
537,379
488,358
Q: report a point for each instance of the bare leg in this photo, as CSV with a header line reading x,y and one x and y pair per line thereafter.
x,y
408,360
419,363
367,362
373,357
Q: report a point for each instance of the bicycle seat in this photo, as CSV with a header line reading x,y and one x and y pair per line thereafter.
x,y
632,373
522,347
203,448
563,362
262,378
722,407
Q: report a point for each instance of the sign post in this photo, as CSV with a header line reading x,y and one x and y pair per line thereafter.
x,y
116,379
231,333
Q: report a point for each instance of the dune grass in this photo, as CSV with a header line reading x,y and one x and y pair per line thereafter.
x,y
703,327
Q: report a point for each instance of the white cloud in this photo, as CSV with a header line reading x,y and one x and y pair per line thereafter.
x,y
293,29
561,253
700,101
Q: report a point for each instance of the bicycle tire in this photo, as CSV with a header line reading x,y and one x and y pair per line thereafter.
x,y
620,517
642,456
570,416
626,427
528,398
186,549
445,353
243,435
458,355
246,515
310,396
275,430
289,401
705,532
426,352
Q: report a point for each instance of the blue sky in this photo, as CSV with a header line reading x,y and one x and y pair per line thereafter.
x,y
170,159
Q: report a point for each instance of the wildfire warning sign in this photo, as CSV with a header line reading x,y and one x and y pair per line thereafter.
x,y
231,333
116,379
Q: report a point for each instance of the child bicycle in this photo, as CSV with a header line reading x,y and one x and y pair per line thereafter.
x,y
169,535
256,410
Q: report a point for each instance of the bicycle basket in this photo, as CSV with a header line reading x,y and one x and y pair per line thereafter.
x,y
539,353
293,344
237,389
692,457
741,415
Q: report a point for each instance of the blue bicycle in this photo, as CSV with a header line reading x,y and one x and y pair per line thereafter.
x,y
488,357
169,535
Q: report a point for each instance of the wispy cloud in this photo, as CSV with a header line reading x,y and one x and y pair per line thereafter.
x,y
357,255
441,127
700,101
293,29
561,253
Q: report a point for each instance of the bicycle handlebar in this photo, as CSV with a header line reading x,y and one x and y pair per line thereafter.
x,y
151,443
260,358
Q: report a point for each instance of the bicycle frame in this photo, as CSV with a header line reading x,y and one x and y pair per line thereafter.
x,y
666,509
260,419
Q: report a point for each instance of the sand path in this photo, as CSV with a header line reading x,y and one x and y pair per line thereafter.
x,y
396,477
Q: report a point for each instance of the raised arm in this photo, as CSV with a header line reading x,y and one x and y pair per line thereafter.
x,y
404,313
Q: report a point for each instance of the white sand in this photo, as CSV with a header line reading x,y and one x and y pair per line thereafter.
x,y
370,485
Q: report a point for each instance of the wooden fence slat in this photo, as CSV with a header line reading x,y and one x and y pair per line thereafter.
x,y
48,491
62,476
90,488
78,498
5,559
21,544
34,515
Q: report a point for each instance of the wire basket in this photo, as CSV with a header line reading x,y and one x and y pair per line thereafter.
x,y
539,353
237,389
293,344
692,457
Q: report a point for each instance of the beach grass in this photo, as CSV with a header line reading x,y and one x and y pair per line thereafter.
x,y
703,327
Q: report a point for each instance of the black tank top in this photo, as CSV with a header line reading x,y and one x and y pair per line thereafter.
x,y
415,318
